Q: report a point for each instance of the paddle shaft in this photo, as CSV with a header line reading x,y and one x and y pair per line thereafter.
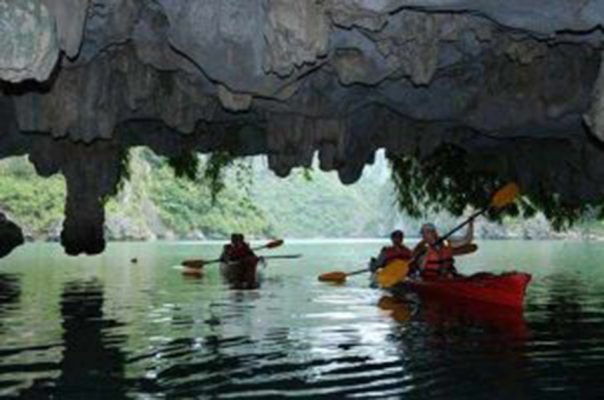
x,y
275,257
253,249
360,271
502,198
466,222
282,257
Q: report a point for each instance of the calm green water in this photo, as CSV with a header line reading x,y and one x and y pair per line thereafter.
x,y
102,327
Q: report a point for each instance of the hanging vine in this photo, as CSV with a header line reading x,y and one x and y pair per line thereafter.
x,y
444,181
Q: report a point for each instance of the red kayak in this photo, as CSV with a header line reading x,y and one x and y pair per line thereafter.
x,y
506,289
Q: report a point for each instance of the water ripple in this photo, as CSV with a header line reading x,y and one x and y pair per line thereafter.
x,y
107,330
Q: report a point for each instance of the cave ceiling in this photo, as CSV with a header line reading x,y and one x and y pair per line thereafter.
x,y
517,84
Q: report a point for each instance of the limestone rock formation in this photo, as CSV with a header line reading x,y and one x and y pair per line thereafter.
x,y
28,41
515,83
10,236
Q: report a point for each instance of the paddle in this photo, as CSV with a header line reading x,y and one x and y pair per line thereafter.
x,y
396,271
275,257
465,249
282,257
340,277
198,263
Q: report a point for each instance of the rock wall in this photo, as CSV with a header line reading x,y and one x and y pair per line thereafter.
x,y
10,236
517,85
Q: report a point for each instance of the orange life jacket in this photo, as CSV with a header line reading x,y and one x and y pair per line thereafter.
x,y
439,259
396,253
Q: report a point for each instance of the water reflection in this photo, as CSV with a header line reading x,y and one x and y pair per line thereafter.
x,y
292,337
568,350
10,292
399,309
230,366
92,362
446,345
500,322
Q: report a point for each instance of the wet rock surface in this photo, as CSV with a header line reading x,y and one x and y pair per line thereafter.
x,y
516,85
10,236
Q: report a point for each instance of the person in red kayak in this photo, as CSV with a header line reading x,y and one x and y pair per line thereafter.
x,y
438,260
396,251
237,250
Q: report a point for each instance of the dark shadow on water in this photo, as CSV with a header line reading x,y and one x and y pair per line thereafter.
x,y
569,336
10,293
459,350
92,366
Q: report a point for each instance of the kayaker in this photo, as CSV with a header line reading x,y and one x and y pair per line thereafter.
x,y
438,257
396,251
237,250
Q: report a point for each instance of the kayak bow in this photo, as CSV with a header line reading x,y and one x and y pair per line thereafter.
x,y
507,289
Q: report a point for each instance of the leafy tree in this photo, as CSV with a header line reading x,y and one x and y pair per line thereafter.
x,y
444,181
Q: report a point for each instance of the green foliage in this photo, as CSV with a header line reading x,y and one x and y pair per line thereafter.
x,y
440,182
147,191
186,206
34,202
123,174
322,207
214,172
444,181
185,165
219,195
307,174
124,169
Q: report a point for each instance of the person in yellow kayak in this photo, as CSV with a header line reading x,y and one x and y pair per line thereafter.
x,y
396,251
436,257
237,249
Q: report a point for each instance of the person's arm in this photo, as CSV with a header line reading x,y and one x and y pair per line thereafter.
x,y
249,253
225,251
465,239
381,258
418,248
419,255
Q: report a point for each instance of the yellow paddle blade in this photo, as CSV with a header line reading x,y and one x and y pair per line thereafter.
x,y
465,249
335,276
274,243
505,195
393,273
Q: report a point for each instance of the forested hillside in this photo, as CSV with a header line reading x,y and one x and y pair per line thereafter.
x,y
153,203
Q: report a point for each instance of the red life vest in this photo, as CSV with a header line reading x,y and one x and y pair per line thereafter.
x,y
237,253
396,253
439,259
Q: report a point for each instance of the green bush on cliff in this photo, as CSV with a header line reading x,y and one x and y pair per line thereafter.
x,y
186,206
35,203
